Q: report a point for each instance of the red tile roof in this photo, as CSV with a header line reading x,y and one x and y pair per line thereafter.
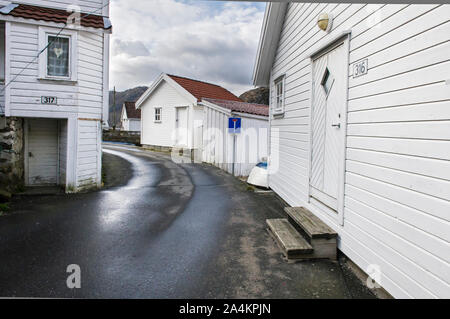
x,y
54,15
242,107
202,90
132,112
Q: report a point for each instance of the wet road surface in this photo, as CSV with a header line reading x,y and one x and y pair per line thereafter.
x,y
168,231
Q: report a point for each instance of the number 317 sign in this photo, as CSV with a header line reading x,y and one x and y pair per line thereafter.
x,y
360,68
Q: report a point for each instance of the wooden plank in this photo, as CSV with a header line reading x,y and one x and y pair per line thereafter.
x,y
311,224
289,240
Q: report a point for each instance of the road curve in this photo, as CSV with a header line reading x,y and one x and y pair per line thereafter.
x,y
169,231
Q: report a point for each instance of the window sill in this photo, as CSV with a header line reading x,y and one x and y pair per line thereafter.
x,y
157,121
62,81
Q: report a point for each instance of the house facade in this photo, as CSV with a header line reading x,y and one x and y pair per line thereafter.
x,y
171,113
54,92
360,131
235,151
130,117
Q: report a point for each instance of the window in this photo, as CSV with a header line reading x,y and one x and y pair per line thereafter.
x,y
158,114
279,96
327,81
58,60
58,56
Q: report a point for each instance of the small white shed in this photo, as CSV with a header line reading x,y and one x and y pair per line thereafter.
x,y
235,153
130,117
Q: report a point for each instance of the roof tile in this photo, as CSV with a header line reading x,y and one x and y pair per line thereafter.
x,y
242,107
202,90
54,15
132,112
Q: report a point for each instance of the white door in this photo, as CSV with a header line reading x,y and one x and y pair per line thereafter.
x,y
182,126
328,110
42,152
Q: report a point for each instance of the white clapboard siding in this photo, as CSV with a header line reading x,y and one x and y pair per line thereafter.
x,y
251,143
397,194
162,133
89,144
83,99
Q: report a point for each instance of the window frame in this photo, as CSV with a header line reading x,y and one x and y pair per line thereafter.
x,y
156,114
276,108
44,34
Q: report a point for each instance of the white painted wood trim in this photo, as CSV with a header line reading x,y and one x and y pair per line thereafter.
x,y
99,154
172,83
106,50
72,152
8,18
344,121
8,68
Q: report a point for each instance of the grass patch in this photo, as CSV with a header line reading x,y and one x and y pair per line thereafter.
x,y
4,207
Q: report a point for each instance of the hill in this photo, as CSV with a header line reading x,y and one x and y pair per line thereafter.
x,y
259,96
130,95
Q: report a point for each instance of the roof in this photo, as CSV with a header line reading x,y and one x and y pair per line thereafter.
x,y
270,35
132,112
241,107
200,89
53,15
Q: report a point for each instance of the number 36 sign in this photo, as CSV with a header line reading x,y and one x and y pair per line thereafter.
x,y
360,68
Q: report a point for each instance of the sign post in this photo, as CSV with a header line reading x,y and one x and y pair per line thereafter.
x,y
234,127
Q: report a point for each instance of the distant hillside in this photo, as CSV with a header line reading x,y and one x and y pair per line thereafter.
x,y
130,95
259,96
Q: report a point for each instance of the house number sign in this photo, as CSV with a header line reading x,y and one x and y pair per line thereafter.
x,y
52,100
360,68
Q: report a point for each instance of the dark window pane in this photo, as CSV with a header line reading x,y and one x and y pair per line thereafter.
x,y
58,56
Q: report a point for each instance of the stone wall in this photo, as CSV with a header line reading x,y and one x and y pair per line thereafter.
x,y
11,154
122,136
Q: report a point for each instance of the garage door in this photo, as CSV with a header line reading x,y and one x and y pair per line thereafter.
x,y
42,152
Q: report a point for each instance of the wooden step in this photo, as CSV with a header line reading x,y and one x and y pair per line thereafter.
x,y
321,237
310,224
293,245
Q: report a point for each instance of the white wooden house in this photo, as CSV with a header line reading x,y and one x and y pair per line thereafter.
x,y
54,71
235,153
360,131
171,114
130,117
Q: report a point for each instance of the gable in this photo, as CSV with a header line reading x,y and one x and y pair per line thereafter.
x,y
268,42
165,95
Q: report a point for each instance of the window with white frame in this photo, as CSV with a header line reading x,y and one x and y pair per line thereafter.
x,y
58,60
279,96
58,56
158,113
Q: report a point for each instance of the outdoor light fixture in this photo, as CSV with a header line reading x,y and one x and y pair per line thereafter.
x,y
325,21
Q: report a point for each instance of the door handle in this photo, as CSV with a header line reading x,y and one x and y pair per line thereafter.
x,y
30,154
338,125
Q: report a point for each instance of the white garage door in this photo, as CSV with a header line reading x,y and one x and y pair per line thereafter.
x,y
42,149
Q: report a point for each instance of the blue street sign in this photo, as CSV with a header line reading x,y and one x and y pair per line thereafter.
x,y
234,125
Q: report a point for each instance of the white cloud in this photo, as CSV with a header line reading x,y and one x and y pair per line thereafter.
x,y
213,42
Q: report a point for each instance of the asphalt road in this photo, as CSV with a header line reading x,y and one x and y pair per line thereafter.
x,y
160,230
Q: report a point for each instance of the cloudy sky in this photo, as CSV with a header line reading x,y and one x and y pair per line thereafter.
x,y
212,41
